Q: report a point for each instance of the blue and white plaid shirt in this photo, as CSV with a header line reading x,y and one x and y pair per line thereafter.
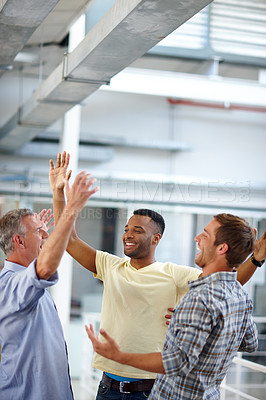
x,y
210,324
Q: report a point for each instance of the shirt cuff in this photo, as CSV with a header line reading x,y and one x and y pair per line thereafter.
x,y
41,283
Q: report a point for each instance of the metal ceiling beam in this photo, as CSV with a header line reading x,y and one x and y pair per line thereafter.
x,y
18,20
125,33
59,21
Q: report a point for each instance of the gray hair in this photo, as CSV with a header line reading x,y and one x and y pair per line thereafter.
x,y
10,225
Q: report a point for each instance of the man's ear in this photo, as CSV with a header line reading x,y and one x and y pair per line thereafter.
x,y
156,238
18,241
222,248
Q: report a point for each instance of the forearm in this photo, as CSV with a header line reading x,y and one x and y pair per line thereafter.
x,y
55,245
78,249
245,271
151,362
110,349
59,203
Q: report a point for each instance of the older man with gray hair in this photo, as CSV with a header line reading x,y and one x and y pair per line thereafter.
x,y
33,355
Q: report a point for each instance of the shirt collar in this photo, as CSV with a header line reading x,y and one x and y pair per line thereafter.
x,y
9,265
216,276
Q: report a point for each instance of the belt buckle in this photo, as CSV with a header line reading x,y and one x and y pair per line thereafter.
x,y
121,387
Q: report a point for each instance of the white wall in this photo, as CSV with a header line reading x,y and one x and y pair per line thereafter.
x,y
225,144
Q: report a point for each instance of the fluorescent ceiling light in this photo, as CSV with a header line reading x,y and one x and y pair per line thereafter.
x,y
25,57
188,86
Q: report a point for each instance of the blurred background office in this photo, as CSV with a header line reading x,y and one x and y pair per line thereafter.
x,y
165,104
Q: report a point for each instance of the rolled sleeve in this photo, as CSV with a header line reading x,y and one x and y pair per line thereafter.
x,y
40,283
250,340
186,337
25,287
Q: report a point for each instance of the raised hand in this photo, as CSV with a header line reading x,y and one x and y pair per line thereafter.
x,y
45,217
80,192
59,173
260,248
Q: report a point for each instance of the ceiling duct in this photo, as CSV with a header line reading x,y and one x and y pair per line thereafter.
x,y
127,31
18,21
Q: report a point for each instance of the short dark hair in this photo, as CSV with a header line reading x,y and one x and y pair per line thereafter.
x,y
10,225
156,217
238,235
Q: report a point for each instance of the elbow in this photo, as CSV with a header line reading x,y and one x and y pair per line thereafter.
x,y
43,274
44,270
72,241
254,347
177,363
249,348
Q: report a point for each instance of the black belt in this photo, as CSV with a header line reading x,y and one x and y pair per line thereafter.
x,y
143,385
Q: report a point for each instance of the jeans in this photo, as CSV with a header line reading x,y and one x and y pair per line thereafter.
x,y
105,392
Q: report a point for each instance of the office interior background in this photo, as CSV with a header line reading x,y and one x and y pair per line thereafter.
x,y
165,104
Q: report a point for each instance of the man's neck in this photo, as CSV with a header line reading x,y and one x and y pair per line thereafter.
x,y
141,263
16,259
215,267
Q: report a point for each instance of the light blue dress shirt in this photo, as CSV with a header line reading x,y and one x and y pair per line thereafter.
x,y
33,359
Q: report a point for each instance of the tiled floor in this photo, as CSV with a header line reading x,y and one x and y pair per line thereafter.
x,y
80,393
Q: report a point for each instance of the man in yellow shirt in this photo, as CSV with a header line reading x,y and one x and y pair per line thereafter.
x,y
209,325
137,290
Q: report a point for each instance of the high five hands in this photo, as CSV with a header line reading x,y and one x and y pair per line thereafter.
x,y
59,179
81,191
58,174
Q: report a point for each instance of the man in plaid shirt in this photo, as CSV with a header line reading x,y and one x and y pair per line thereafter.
x,y
210,324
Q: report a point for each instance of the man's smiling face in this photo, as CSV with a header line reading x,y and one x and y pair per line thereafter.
x,y
205,241
34,237
138,236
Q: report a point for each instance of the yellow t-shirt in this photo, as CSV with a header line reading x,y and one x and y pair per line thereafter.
x,y
135,302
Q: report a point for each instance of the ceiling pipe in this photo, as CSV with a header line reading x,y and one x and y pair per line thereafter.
x,y
219,106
